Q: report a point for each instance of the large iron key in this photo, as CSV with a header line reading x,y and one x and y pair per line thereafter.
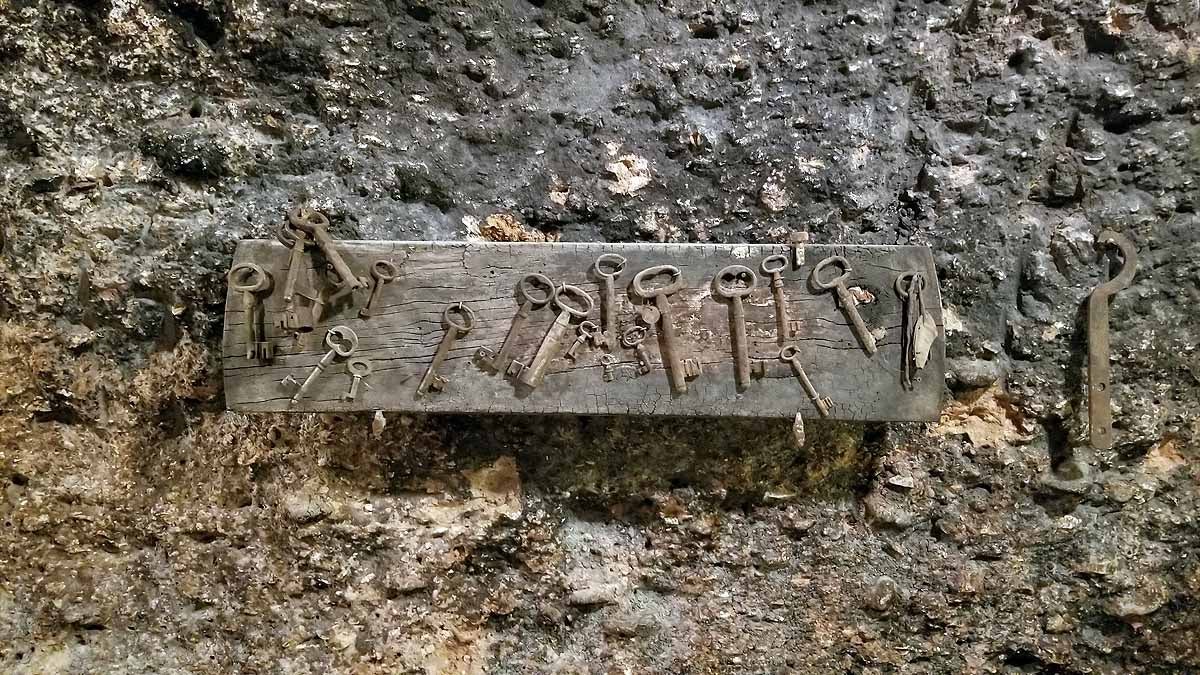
x,y
382,272
295,318
341,341
316,225
607,267
530,300
250,280
1099,369
791,355
726,286
845,300
454,329
773,266
532,375
665,321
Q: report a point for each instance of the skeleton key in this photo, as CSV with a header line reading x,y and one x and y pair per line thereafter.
x,y
1099,370
773,266
734,293
382,272
609,362
454,329
341,341
634,338
608,300
586,331
499,361
665,321
250,279
316,225
844,299
532,375
358,369
792,355
294,318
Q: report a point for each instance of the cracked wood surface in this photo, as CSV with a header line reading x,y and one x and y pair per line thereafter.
x,y
404,332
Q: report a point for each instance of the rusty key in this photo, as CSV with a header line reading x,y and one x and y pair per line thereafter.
x,y
773,266
734,293
532,375
844,299
1099,369
791,354
341,341
250,280
382,272
663,317
295,318
607,267
454,329
316,225
531,299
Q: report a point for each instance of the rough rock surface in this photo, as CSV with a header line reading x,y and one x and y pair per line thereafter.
x,y
143,530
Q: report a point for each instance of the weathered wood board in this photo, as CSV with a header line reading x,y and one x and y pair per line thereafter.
x,y
402,336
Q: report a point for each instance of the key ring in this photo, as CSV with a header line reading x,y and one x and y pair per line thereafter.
x,y
568,289
307,220
676,284
903,289
832,260
341,340
735,272
359,367
617,262
633,336
777,258
467,313
543,281
384,270
242,273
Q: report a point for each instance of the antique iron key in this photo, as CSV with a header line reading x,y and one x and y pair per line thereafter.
x,y
791,354
530,300
608,362
773,266
665,321
358,369
341,341
634,338
382,272
250,280
910,287
734,293
532,375
1099,369
454,329
316,225
607,267
844,299
295,318
587,331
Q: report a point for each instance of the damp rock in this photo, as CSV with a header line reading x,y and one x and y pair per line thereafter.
x,y
881,594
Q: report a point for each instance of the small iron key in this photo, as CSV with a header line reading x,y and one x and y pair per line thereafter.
x,y
382,272
773,266
454,329
341,341
586,332
845,300
634,338
358,369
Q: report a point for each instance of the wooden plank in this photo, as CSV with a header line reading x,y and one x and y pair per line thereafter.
x,y
401,337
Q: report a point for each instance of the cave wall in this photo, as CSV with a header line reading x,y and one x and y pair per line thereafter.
x,y
145,530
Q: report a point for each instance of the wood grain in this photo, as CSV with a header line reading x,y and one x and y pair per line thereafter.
x,y
404,332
